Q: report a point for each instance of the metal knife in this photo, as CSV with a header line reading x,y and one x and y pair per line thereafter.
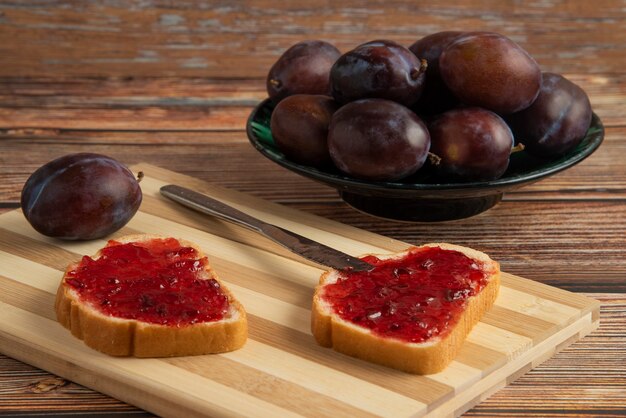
x,y
298,244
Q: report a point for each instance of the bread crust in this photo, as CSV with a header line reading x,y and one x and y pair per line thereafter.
x,y
429,357
130,337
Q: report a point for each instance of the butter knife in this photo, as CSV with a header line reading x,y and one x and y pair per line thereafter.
x,y
298,244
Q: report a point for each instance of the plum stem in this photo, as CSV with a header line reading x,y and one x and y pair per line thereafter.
x,y
275,83
434,159
519,147
415,72
140,176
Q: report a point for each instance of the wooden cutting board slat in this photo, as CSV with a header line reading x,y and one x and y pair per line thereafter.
x,y
281,371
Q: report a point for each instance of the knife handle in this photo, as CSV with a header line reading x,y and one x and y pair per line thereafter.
x,y
210,206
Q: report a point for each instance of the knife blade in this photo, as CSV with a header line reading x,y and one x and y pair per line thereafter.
x,y
303,246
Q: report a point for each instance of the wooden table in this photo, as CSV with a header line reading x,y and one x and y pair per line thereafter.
x,y
171,84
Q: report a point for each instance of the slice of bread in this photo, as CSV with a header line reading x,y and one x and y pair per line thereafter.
x,y
130,337
426,357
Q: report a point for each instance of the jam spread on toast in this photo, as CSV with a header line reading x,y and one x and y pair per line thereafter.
x,y
157,281
415,298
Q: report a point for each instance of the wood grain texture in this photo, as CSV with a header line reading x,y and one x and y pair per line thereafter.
x,y
187,104
561,215
563,237
593,365
171,83
242,39
280,370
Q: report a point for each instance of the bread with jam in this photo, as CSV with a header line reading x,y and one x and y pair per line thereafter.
x,y
150,296
412,312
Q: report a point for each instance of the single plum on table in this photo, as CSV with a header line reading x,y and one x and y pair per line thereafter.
x,y
80,197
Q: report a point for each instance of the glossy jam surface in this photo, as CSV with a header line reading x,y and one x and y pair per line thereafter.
x,y
156,281
414,299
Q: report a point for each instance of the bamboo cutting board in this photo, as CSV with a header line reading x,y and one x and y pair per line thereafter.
x,y
281,371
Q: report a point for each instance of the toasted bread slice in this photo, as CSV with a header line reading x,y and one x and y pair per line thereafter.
x,y
119,336
425,357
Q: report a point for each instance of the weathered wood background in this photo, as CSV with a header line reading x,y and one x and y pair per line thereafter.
x,y
171,83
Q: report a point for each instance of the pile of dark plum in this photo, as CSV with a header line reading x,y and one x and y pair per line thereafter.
x,y
467,100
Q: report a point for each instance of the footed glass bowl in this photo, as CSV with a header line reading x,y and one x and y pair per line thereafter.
x,y
416,199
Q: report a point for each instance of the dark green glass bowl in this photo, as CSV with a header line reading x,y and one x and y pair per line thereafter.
x,y
415,199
